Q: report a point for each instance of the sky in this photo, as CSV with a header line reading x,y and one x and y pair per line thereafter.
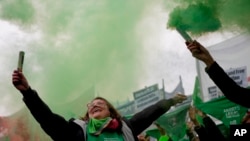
x,y
115,47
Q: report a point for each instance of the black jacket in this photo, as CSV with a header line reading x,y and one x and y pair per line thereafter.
x,y
209,131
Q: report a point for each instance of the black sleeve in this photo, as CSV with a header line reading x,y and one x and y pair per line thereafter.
x,y
230,89
54,125
212,129
202,133
142,120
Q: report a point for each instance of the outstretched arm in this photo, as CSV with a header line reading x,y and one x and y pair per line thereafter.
x,y
210,126
199,129
230,89
141,120
54,125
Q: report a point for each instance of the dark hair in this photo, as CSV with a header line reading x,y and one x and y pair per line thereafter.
x,y
113,112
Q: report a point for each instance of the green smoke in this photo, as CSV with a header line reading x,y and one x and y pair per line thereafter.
x,y
19,11
83,45
202,16
94,46
196,19
235,14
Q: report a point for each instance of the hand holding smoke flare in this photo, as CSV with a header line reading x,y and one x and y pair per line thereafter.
x,y
20,61
196,19
188,39
184,34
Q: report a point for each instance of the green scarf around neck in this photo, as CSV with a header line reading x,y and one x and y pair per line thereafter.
x,y
95,126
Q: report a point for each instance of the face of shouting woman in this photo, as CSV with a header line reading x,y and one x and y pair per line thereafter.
x,y
98,109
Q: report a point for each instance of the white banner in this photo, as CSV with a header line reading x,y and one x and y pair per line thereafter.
x,y
233,56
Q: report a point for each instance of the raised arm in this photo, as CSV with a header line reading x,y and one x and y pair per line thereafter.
x,y
210,126
54,125
230,89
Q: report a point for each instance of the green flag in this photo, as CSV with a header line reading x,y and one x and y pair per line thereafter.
x,y
154,133
224,110
197,98
220,108
174,122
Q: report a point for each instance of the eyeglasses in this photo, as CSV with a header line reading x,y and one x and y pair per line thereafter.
x,y
91,104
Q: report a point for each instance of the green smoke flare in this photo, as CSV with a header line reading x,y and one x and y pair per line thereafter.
x,y
196,18
202,16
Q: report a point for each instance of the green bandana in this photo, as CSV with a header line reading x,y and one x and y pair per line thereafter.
x,y
95,126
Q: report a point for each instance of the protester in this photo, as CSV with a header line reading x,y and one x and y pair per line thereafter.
x,y
198,128
209,130
101,122
230,89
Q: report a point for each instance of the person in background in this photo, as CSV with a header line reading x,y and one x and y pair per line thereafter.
x,y
101,121
230,89
209,131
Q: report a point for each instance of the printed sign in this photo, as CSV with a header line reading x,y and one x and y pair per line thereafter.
x,y
146,97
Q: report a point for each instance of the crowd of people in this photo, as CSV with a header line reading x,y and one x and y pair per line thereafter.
x,y
103,122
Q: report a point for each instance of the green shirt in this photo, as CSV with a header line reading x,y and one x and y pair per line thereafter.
x,y
105,136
